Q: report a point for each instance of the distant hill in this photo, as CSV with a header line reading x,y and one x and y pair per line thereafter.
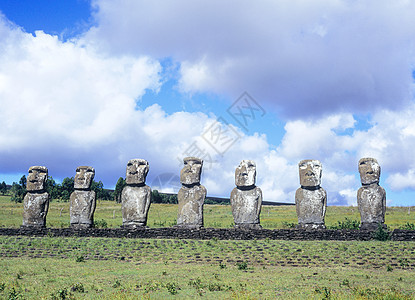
x,y
226,201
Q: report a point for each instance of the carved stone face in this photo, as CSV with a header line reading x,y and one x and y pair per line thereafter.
x,y
137,170
37,178
369,170
83,177
192,169
245,173
310,172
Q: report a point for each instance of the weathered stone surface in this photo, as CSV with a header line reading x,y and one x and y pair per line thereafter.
x,y
191,200
82,208
136,195
246,198
36,200
37,178
310,198
137,170
209,233
83,177
191,171
135,205
83,200
371,198
191,196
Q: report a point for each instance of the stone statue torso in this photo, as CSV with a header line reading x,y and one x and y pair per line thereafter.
x,y
372,204
35,209
246,205
191,200
310,205
135,204
82,207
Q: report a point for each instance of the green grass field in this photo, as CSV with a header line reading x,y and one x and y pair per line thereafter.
x,y
111,268
219,216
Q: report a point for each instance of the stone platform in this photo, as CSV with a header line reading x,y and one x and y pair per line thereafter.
x,y
210,233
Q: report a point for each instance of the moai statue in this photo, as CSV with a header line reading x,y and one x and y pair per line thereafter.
x,y
83,200
246,198
371,197
36,200
136,195
310,198
191,196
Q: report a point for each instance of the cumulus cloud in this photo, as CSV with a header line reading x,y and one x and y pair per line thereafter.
x,y
60,96
304,58
65,104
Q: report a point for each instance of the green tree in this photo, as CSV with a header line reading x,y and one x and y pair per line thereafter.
x,y
23,181
52,188
156,197
3,188
101,193
118,189
18,190
173,199
66,188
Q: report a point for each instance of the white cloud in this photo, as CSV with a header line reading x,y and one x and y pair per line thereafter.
x,y
399,181
65,104
305,58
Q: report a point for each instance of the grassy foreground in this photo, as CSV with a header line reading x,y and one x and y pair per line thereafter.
x,y
219,216
104,268
110,268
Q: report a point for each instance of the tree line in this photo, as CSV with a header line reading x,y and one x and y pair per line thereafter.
x,y
62,191
57,191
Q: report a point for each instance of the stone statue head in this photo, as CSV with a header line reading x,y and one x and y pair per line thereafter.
x,y
369,170
310,172
137,170
37,178
192,169
245,173
83,177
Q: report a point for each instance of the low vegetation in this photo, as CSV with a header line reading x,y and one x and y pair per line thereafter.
x,y
108,214
55,267
110,268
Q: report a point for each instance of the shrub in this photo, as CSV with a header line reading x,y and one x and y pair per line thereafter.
x,y
242,265
408,226
381,234
61,294
389,268
172,288
346,224
288,224
325,291
100,223
80,258
116,284
78,287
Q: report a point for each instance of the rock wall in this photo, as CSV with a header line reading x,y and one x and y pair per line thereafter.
x,y
211,233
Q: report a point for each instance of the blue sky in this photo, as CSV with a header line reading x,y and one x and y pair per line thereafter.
x,y
100,82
